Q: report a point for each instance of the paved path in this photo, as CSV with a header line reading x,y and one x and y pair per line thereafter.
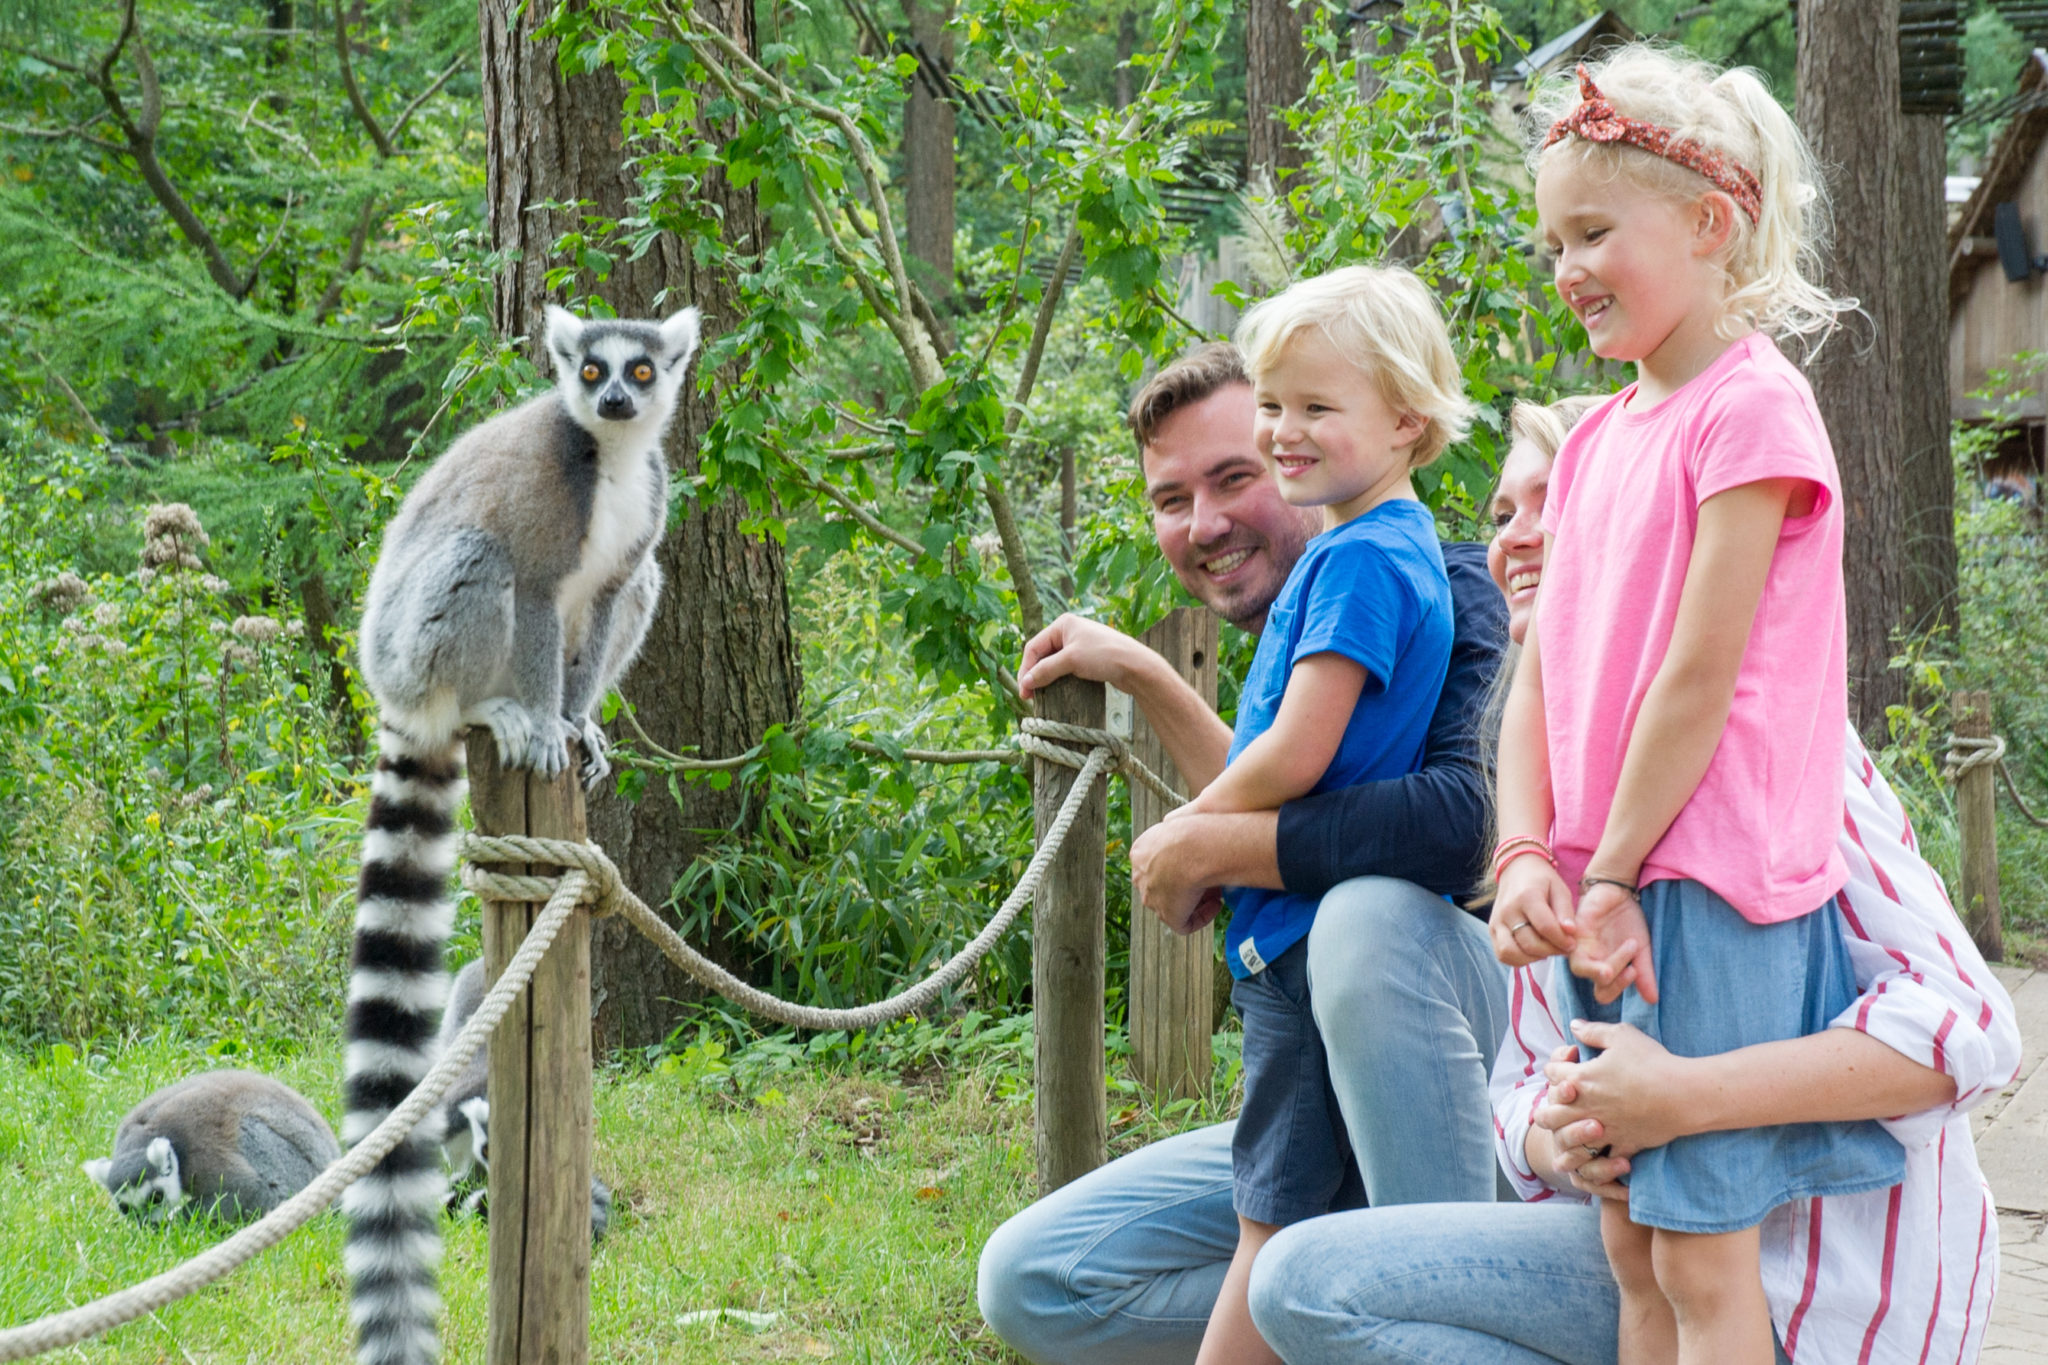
x,y
2012,1145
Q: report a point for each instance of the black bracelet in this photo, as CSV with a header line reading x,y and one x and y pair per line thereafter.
x,y
1588,882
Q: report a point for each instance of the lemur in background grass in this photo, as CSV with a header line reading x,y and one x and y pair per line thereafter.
x,y
222,1144
514,586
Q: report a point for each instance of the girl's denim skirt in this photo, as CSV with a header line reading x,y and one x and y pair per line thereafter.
x,y
1724,983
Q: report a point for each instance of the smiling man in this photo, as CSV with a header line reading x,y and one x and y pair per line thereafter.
x,y
1125,1264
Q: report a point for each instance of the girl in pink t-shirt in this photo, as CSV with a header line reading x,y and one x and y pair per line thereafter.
x,y
1672,744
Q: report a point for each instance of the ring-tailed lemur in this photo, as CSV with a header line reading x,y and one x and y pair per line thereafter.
x,y
466,1115
515,584
223,1144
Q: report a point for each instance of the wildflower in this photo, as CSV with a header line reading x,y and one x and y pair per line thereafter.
x,y
240,654
107,613
257,630
145,576
295,628
172,537
72,625
212,627
988,545
214,583
116,649
62,593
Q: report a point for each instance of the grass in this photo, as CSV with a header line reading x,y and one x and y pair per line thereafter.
x,y
850,1205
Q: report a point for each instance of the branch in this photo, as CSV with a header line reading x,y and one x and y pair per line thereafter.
x,y
275,237
875,525
76,130
355,93
351,263
44,58
918,348
405,116
76,402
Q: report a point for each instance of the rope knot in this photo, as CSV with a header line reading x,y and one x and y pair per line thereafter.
x,y
599,885
1965,754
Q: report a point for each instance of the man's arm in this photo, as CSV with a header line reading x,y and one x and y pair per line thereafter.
x,y
1194,737
1428,827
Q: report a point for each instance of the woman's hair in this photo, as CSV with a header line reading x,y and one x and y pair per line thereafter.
x,y
1775,264
1385,322
1543,425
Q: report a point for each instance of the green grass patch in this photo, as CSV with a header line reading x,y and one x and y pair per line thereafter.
x,y
851,1205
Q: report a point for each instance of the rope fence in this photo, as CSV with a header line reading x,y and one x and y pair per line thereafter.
x,y
1965,754
589,878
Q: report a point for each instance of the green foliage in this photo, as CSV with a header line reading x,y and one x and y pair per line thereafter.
x,y
173,792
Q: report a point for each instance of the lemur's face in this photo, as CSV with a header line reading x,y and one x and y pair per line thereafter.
x,y
620,372
149,1188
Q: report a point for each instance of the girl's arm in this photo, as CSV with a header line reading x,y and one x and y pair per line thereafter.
x,y
1531,893
1291,757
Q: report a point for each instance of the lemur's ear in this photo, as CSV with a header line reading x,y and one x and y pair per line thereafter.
x,y
679,337
162,1157
565,333
100,1169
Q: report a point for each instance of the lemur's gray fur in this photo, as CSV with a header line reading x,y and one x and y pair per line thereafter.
x,y
223,1144
466,1115
514,586
517,581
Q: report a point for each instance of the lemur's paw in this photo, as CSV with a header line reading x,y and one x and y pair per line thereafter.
x,y
525,741
595,766
551,748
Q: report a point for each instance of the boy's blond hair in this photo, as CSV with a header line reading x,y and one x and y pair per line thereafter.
x,y
1774,265
1384,321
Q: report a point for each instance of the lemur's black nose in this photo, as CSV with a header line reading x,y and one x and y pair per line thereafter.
x,y
615,406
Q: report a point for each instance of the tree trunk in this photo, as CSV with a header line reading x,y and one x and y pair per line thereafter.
x,y
1275,78
1848,103
928,148
1126,45
1927,483
719,665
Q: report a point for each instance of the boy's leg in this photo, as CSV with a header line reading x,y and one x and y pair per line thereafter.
x,y
1123,1264
1716,1289
1412,1005
1649,1332
1231,1338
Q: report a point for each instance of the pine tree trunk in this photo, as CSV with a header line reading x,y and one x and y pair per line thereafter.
x,y
1927,482
719,665
1848,104
928,120
1275,78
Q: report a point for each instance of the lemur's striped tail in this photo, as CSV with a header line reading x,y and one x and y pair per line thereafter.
x,y
396,989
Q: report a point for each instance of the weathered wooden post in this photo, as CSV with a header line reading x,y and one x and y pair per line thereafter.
x,y
1172,1003
1977,814
540,1091
1067,955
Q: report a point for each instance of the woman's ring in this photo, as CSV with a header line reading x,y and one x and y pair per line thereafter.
x,y
1514,929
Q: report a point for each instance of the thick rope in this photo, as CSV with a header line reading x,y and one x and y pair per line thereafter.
x,y
1967,754
1035,741
613,895
123,1306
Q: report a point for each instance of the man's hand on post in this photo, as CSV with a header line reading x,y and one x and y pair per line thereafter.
x,y
1081,647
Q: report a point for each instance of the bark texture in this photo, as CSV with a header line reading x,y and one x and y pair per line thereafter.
x,y
1927,482
1275,78
1848,105
928,128
719,665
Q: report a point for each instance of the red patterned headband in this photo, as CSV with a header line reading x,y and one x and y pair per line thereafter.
x,y
1595,120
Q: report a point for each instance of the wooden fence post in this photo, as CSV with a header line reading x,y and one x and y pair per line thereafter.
x,y
1977,814
1067,972
540,1091
1172,1005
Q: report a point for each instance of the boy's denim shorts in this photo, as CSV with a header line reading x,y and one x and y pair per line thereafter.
x,y
1291,1158
1722,984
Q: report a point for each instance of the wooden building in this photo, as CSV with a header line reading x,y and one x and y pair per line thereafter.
x,y
1998,294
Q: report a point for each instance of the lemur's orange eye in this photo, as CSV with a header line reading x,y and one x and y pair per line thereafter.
x,y
590,374
643,372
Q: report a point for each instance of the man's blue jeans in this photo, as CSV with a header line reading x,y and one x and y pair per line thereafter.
x,y
1124,1264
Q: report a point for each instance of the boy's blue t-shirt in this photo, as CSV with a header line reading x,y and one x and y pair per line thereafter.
x,y
1374,591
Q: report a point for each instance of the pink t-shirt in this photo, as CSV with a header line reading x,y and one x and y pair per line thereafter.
x,y
1760,830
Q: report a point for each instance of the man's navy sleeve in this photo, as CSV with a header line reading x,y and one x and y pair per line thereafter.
x,y
1428,827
